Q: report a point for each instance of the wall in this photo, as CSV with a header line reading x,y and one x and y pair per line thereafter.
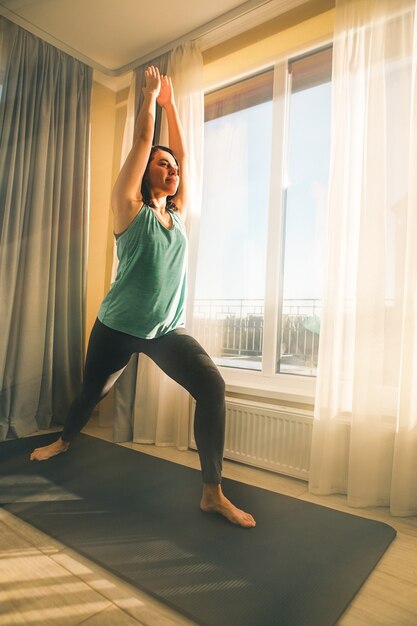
x,y
299,30
108,114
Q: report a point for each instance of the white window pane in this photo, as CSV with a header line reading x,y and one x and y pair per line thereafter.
x,y
230,286
305,205
229,313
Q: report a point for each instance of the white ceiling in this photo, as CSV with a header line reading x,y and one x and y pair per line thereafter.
x,y
111,35
114,36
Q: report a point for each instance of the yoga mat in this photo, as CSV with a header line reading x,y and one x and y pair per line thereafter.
x,y
138,517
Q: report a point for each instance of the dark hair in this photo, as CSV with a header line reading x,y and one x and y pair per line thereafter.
x,y
146,192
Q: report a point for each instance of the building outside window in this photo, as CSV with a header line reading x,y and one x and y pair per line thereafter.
x,y
260,262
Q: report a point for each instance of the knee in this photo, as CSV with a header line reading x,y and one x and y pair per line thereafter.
x,y
95,388
213,387
91,396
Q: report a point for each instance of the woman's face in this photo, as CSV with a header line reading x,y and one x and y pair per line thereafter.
x,y
162,176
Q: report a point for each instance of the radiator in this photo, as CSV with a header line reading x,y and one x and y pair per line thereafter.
x,y
267,436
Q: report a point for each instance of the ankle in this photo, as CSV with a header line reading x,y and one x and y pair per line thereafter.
x,y
212,491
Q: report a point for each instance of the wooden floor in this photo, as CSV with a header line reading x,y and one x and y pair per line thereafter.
x,y
44,583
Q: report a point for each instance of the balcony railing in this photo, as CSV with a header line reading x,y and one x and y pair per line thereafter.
x,y
232,332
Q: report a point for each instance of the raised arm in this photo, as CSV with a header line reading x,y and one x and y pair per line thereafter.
x,y
176,142
126,196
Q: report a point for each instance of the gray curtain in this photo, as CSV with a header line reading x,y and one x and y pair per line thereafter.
x,y
44,146
125,387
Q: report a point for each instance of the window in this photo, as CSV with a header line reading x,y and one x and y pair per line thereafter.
x,y
307,165
258,287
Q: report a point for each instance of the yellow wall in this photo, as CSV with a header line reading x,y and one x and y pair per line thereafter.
x,y
108,113
262,48
120,120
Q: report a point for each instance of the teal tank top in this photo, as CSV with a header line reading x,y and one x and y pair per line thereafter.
x,y
147,298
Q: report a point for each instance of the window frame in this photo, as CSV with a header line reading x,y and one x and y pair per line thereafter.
x,y
268,383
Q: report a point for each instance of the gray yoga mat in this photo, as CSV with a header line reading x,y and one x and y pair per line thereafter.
x,y
138,517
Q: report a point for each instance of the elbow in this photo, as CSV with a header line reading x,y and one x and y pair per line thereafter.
x,y
143,136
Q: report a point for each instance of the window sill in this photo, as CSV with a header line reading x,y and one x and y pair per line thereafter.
x,y
287,388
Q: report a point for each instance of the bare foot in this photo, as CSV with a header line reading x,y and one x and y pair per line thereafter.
x,y
44,453
213,501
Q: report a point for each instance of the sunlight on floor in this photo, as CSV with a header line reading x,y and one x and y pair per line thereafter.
x,y
24,488
43,615
37,589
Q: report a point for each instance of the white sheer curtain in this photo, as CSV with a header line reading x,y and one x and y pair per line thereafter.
x,y
124,391
162,407
365,431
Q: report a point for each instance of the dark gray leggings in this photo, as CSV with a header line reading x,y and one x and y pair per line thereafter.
x,y
182,358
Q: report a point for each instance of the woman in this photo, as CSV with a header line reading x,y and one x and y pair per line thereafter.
x,y
143,311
